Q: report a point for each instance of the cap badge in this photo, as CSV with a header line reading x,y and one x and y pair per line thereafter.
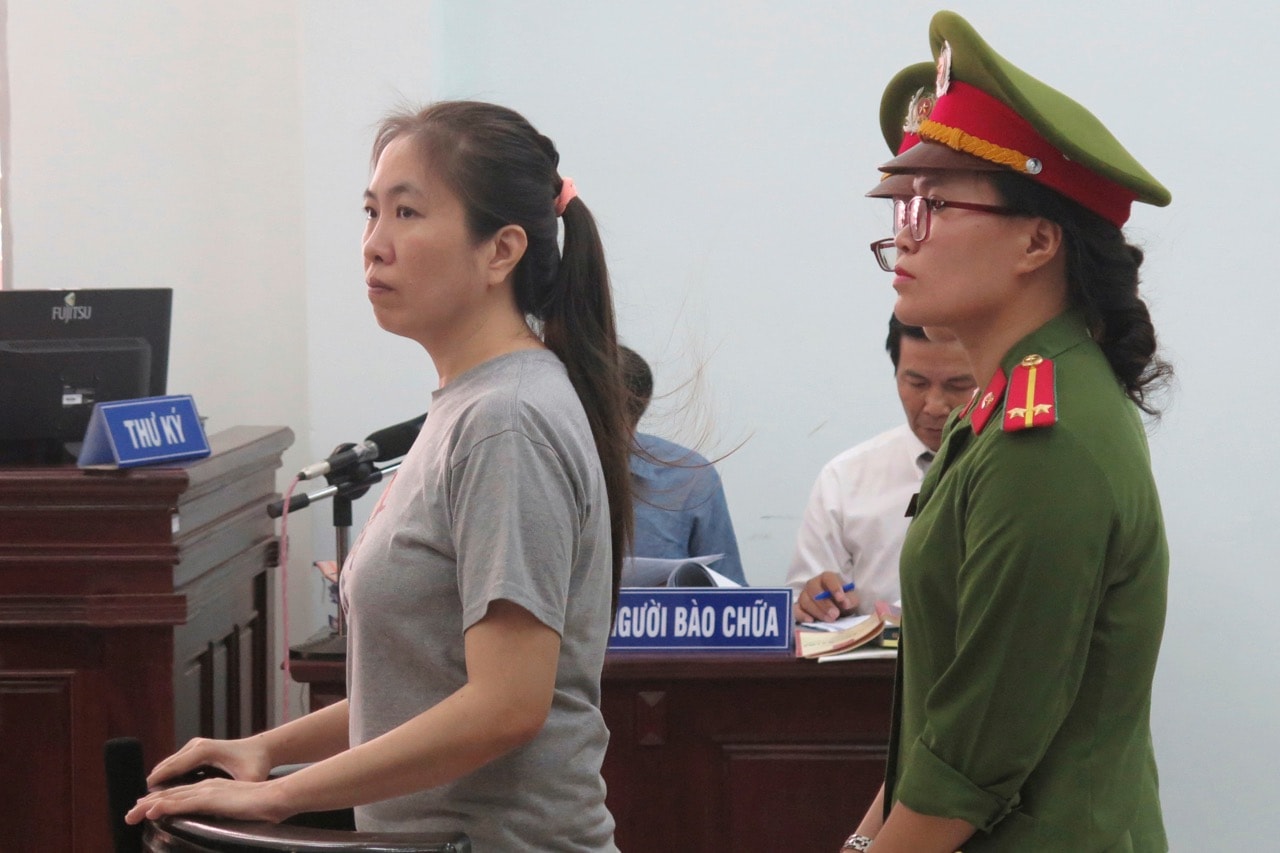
x,y
918,110
943,82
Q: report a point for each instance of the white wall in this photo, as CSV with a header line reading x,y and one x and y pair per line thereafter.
x,y
157,145
360,378
724,147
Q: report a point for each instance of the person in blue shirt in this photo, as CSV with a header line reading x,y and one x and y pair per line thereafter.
x,y
680,508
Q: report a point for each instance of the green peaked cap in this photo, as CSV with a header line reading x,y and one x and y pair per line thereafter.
x,y
1065,124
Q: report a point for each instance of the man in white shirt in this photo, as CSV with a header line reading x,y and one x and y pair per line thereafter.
x,y
855,522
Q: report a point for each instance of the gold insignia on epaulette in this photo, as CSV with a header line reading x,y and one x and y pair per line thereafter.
x,y
1031,400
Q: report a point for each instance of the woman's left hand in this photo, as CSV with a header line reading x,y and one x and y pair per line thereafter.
x,y
222,797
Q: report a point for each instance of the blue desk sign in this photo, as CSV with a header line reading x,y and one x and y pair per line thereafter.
x,y
143,432
703,618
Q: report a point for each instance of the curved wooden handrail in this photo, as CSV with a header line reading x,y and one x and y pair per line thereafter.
x,y
189,834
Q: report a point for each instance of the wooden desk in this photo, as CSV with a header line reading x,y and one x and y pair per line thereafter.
x,y
728,752
132,603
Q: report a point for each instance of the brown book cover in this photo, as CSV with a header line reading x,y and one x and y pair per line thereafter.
x,y
816,644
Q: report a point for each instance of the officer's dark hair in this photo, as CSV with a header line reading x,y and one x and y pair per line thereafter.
x,y
638,378
897,331
505,173
1102,280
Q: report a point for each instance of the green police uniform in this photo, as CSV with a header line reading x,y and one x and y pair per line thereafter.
x,y
1034,573
1033,587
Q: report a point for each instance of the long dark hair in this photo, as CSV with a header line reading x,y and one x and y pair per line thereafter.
x,y
1102,280
505,173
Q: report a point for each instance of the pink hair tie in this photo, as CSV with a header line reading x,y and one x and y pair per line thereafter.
x,y
568,192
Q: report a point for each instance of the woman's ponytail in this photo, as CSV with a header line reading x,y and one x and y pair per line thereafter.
x,y
578,326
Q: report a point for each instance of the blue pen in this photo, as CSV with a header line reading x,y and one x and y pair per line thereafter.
x,y
827,593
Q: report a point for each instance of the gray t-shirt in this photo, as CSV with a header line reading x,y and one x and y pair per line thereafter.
x,y
501,497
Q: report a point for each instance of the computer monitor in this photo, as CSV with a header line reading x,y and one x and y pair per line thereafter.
x,y
61,351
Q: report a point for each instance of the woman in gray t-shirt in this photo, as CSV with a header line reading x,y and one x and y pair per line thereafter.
x,y
480,593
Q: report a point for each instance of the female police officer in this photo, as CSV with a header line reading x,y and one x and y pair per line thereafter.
x,y
1034,572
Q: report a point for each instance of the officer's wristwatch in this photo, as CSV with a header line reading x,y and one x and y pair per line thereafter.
x,y
856,842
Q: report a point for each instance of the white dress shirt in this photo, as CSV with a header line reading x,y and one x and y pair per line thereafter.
x,y
856,519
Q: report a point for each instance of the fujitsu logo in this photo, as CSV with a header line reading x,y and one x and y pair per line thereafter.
x,y
71,311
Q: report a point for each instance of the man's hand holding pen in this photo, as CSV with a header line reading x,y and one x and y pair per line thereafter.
x,y
825,598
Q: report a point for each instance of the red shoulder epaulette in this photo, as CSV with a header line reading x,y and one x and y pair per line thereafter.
x,y
985,402
1032,398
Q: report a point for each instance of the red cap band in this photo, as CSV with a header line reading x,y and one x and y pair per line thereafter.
x,y
969,120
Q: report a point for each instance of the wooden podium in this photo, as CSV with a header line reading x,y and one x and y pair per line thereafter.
x,y
725,752
132,603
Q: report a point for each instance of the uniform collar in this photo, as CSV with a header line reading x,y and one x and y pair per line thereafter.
x,y
1055,337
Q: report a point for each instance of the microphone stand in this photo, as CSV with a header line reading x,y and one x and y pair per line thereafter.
x,y
344,488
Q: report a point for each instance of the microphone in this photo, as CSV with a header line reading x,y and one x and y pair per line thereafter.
x,y
387,443
126,783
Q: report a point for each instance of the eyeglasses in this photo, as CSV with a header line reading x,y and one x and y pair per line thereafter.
x,y
917,212
886,252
